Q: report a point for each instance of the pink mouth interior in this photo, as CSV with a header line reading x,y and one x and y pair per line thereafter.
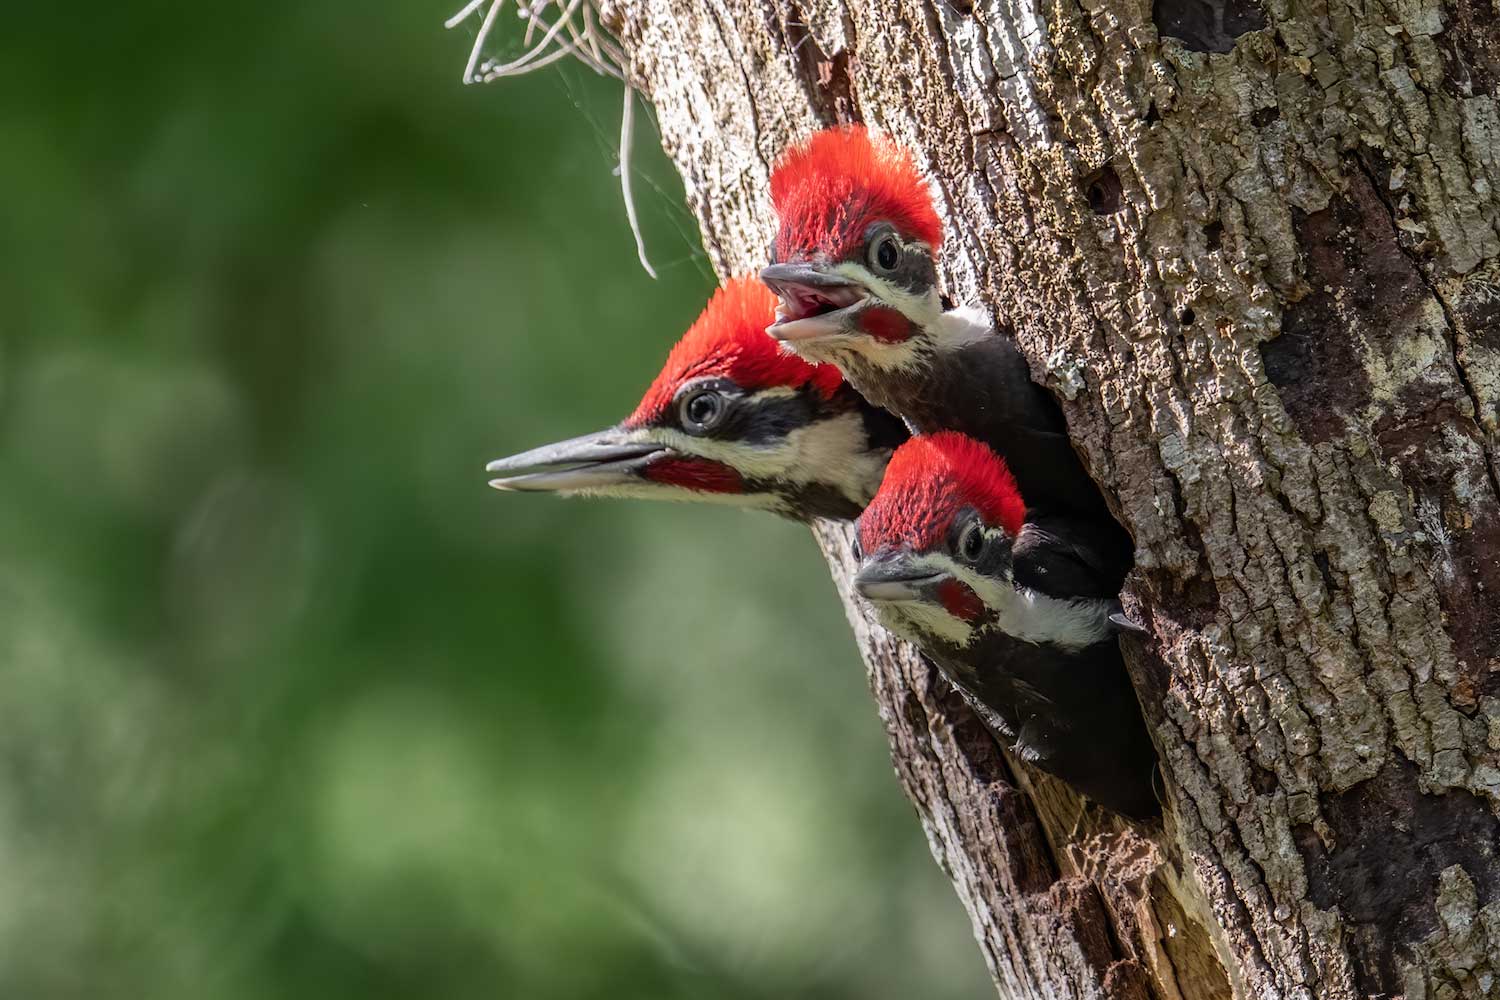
x,y
802,301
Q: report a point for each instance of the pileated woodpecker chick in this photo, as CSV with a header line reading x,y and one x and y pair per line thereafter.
x,y
1016,614
729,419
853,264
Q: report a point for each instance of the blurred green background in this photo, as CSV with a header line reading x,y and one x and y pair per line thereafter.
x,y
291,704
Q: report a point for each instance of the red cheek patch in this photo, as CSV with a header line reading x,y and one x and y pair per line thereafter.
x,y
695,474
885,324
960,601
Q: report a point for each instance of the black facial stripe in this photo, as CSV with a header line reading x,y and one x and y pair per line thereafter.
x,y
995,558
916,273
805,501
763,421
758,419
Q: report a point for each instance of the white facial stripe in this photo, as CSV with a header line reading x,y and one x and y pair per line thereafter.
x,y
923,310
775,392
837,451
1019,612
1034,617
918,620
834,451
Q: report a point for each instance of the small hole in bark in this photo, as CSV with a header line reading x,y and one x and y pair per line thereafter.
x,y
1187,316
1152,115
964,7
1213,235
1104,191
1264,116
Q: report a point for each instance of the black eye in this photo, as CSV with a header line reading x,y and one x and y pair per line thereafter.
x,y
971,542
885,253
702,411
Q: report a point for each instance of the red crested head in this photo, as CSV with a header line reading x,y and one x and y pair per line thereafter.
x,y
728,340
829,190
930,479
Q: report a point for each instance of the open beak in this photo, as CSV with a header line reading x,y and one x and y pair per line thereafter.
x,y
594,461
814,302
898,577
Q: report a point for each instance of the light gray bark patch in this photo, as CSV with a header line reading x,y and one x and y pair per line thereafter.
x,y
1207,25
1478,316
1383,877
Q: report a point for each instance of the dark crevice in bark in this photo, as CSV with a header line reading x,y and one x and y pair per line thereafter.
x,y
1261,117
1213,235
825,78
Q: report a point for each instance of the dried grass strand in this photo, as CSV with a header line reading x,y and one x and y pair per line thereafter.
x,y
463,15
627,127
588,44
521,64
479,39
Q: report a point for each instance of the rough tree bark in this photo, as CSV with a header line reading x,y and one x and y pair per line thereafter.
x,y
1255,250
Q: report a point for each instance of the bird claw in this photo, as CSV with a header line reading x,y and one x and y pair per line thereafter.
x,y
1124,623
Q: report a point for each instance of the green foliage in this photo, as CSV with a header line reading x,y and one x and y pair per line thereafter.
x,y
294,706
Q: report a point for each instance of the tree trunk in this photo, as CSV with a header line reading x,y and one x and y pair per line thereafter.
x,y
1256,254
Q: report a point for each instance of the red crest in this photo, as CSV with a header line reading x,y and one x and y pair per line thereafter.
x,y
729,340
830,189
930,479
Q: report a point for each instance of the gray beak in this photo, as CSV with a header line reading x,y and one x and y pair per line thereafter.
x,y
896,577
805,274
814,303
607,458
